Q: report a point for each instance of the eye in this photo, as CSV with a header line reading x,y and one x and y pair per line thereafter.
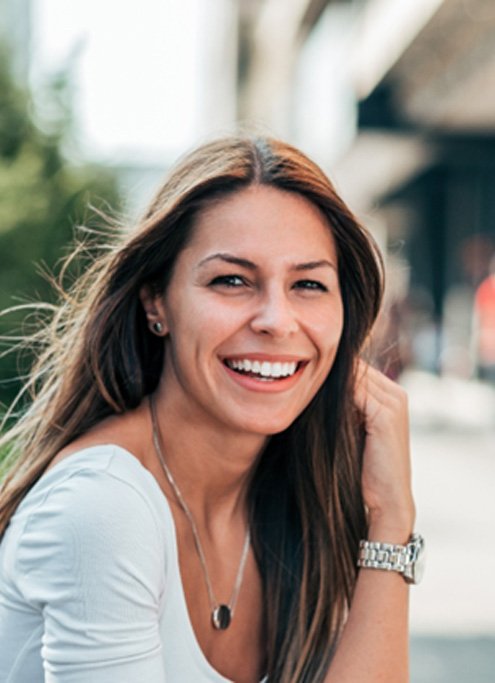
x,y
311,285
228,281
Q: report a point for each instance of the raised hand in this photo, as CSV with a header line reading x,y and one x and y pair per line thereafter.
x,y
386,475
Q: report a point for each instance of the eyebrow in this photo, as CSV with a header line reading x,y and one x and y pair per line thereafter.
x,y
249,265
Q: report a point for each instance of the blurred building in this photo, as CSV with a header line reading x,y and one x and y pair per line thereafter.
x,y
217,102
44,43
397,100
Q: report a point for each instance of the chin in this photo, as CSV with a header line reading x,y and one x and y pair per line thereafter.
x,y
266,426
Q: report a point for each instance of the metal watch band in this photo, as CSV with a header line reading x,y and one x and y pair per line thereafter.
x,y
391,557
408,560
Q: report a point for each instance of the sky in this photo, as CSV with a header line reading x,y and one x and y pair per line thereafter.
x,y
137,71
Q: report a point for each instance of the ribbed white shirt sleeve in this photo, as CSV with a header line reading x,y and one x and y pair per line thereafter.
x,y
91,558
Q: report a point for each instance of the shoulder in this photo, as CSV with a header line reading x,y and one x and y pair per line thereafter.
x,y
87,549
98,510
103,481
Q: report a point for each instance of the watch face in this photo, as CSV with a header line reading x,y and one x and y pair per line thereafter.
x,y
418,558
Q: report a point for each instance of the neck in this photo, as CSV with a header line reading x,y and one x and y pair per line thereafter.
x,y
211,466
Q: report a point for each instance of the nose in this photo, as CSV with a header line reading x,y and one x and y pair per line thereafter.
x,y
274,315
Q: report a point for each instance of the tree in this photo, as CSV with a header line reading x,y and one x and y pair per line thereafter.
x,y
42,197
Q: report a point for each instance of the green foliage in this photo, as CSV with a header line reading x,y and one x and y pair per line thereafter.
x,y
42,197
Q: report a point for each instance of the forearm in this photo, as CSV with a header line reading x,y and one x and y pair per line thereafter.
x,y
374,643
373,647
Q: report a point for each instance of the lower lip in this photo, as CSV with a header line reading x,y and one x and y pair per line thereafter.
x,y
270,386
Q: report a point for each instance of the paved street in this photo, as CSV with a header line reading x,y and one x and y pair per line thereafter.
x,y
453,610
437,659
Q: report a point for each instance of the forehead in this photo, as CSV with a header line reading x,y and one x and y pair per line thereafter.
x,y
264,219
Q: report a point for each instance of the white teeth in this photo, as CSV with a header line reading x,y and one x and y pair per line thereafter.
x,y
265,368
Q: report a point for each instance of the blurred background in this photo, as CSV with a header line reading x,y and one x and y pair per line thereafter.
x,y
396,100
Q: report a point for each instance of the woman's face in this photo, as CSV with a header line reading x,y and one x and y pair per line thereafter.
x,y
253,312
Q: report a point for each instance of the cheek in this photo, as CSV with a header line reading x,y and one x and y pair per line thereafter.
x,y
195,332
327,333
328,327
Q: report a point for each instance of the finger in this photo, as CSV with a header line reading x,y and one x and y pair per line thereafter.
x,y
367,372
374,382
379,399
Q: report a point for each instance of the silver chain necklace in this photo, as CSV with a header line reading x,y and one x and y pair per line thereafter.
x,y
221,614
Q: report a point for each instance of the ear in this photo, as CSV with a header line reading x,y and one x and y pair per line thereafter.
x,y
154,308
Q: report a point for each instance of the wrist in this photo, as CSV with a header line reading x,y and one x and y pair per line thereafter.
x,y
390,528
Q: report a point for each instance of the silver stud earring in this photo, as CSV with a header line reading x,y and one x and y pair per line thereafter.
x,y
157,327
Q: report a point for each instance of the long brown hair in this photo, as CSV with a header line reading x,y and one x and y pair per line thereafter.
x,y
305,503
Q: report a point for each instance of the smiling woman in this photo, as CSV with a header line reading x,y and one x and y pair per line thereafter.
x,y
251,303
205,455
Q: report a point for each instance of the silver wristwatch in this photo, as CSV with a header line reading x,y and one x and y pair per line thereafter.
x,y
407,560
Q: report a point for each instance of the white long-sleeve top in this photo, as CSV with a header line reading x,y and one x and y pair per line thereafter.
x,y
90,587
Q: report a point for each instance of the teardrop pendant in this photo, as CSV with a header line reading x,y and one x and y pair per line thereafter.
x,y
221,617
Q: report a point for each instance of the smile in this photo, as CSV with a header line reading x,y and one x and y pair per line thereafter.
x,y
263,370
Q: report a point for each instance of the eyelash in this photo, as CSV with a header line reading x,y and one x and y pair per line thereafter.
x,y
228,281
314,285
